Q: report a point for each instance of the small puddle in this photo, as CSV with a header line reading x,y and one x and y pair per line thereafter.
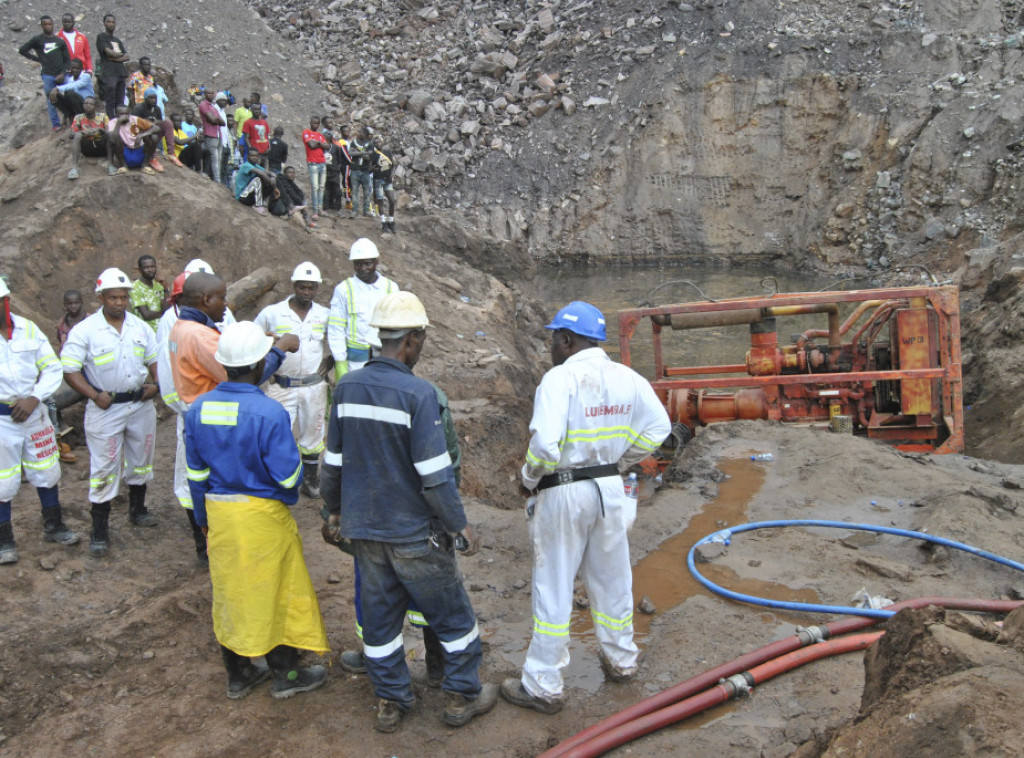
x,y
663,576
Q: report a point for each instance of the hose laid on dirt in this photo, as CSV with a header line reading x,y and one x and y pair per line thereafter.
x,y
724,536
736,686
805,636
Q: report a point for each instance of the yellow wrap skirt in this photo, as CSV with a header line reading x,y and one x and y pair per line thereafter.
x,y
262,594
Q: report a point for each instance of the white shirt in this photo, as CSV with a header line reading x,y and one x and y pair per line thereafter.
x,y
28,365
592,411
111,361
351,309
280,319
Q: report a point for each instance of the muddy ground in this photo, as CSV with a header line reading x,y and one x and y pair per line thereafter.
x,y
117,656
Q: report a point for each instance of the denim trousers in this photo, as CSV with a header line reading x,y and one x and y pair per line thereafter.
x,y
49,82
212,155
364,180
393,575
317,177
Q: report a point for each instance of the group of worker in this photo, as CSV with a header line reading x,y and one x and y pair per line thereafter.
x,y
389,477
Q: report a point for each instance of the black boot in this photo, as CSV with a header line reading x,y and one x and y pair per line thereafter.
x,y
98,541
8,551
289,678
137,512
198,537
311,479
243,674
54,529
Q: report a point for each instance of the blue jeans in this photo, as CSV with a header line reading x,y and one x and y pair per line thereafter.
x,y
211,157
49,82
317,178
393,575
362,179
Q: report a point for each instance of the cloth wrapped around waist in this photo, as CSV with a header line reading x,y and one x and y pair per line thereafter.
x,y
262,594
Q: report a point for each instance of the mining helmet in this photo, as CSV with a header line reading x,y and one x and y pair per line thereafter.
x,y
399,311
198,265
113,279
242,344
363,249
177,287
306,272
5,291
580,318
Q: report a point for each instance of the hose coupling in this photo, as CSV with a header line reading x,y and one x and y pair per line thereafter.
x,y
740,684
811,635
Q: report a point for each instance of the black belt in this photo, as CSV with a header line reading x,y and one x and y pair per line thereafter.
x,y
127,397
577,474
297,381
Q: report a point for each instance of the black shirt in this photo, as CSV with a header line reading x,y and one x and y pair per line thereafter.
x,y
277,156
50,51
291,190
107,66
154,114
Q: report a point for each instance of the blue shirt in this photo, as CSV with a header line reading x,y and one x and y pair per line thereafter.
x,y
245,174
239,442
385,447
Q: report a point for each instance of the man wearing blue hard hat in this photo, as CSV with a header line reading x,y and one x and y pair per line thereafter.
x,y
590,416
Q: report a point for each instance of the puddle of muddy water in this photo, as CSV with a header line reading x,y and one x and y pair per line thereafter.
x,y
663,576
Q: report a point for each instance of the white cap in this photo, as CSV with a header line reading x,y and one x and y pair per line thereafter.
x,y
399,310
363,249
113,279
242,344
306,272
198,264
4,289
220,96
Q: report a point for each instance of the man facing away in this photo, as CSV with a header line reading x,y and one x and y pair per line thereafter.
x,y
590,416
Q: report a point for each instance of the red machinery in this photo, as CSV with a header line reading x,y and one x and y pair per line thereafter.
x,y
893,364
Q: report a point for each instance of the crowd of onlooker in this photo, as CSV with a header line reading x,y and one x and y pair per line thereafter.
x,y
120,113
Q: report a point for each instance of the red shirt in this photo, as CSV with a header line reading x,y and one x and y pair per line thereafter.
x,y
314,155
210,110
257,134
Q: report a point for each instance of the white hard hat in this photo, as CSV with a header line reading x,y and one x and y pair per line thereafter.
x,y
363,249
113,279
399,310
4,289
242,344
198,265
306,272
221,96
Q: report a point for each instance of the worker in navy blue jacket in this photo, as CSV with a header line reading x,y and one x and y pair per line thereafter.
x,y
244,470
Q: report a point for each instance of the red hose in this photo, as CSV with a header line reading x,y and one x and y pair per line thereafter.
x,y
602,743
699,683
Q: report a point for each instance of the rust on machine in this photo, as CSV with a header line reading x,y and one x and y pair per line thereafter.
x,y
886,361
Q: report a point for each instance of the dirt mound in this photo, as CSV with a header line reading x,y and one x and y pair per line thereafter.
x,y
938,683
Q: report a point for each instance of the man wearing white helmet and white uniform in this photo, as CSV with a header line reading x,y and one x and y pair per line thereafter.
x,y
110,358
589,416
29,373
299,385
348,329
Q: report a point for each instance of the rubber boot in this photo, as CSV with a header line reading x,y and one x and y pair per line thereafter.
x,y
198,537
289,678
311,479
54,529
137,512
98,540
8,551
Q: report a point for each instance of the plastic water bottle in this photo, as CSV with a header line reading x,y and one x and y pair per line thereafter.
x,y
632,487
762,457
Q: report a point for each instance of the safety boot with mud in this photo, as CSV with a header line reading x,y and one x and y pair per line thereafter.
x,y
459,709
311,480
243,674
293,681
513,691
389,716
352,661
98,539
615,673
8,550
137,512
54,529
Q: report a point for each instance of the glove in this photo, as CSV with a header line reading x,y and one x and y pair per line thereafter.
x,y
340,369
331,534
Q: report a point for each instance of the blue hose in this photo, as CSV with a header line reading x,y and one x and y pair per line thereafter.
x,y
725,536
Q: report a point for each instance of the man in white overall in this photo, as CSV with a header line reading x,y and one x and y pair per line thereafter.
x,y
590,416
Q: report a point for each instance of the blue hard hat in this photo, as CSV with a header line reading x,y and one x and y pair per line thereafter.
x,y
582,319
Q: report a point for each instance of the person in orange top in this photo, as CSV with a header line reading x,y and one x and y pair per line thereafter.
x,y
193,339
